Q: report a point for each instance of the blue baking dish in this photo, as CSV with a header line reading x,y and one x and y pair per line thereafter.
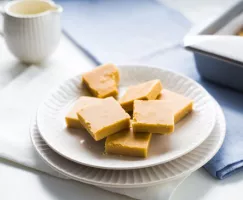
x,y
217,50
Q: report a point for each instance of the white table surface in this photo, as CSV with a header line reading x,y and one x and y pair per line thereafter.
x,y
17,182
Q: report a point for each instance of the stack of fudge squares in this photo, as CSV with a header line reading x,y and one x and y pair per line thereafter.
x,y
153,110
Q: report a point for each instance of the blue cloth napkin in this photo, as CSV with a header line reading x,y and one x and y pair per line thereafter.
x,y
122,30
146,32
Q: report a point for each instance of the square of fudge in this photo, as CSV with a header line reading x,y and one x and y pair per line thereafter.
x,y
128,143
104,118
152,116
71,118
179,104
102,81
145,91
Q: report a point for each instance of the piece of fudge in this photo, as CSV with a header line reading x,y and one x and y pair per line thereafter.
x,y
103,118
179,104
71,118
102,81
240,33
128,143
144,91
152,116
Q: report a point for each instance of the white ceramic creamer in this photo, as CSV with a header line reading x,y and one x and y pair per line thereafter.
x,y
32,29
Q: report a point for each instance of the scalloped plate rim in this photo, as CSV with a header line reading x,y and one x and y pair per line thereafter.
x,y
217,145
144,165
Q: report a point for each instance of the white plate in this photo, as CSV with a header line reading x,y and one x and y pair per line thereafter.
x,y
78,146
136,177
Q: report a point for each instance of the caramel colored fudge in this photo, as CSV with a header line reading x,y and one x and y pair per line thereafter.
x,y
179,104
152,116
128,143
144,91
103,118
71,118
240,33
102,81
